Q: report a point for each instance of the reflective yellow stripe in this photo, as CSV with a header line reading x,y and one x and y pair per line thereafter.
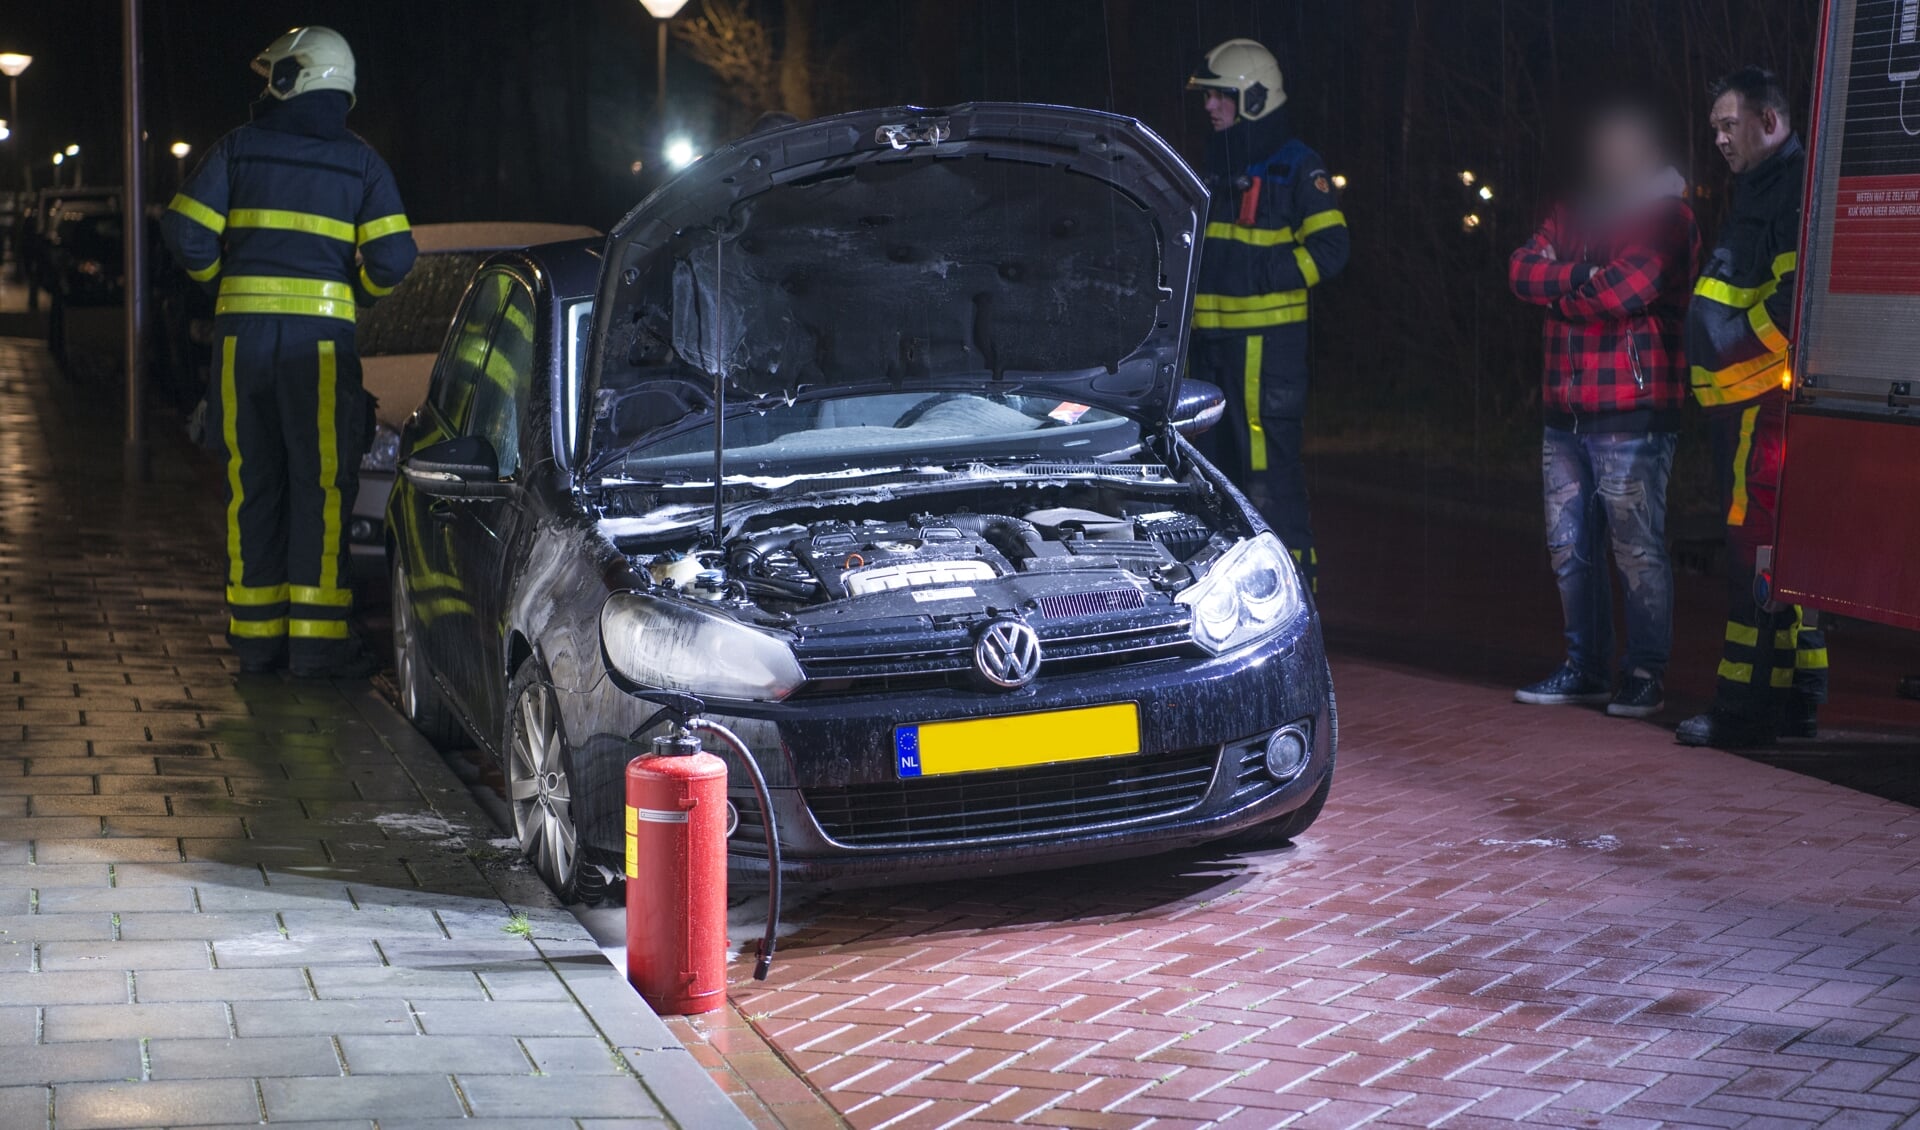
x,y
285,284
1736,672
279,220
372,287
1727,294
385,225
1320,221
317,629
1780,677
284,304
1258,237
206,272
1785,264
199,213
1256,435
1232,303
1736,383
1737,511
1764,329
1258,320
329,471
1811,659
230,433
256,595
324,597
258,629
1309,270
1743,634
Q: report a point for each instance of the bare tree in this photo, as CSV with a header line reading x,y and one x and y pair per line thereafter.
x,y
759,70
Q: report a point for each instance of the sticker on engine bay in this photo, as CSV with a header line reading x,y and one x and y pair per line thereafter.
x,y
925,595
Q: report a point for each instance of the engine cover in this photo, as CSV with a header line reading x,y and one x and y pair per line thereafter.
x,y
873,557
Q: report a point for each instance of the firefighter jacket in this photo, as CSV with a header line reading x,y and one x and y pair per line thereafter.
x,y
1274,229
1614,285
1741,318
292,214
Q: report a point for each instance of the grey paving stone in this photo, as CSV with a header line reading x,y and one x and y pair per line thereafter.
x,y
574,1055
267,948
524,985
326,1018
683,1087
128,849
24,1107
370,921
57,804
176,872
411,1055
361,1096
582,1096
284,894
162,985
162,926
99,1106
94,1061
40,828
61,956
90,987
93,926
507,1018
133,1021
120,900
243,1058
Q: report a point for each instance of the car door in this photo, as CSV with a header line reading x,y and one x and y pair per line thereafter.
x,y
482,527
438,584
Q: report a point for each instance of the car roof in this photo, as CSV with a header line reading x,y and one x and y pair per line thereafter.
x,y
569,270
493,236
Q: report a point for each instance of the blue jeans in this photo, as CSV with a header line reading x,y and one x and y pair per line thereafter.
x,y
1601,489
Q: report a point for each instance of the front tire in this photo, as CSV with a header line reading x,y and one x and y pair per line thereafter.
x,y
420,700
540,781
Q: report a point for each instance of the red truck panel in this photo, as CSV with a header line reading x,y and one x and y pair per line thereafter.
x,y
1849,537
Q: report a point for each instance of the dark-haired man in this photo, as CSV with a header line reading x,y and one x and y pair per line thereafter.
x,y
1773,669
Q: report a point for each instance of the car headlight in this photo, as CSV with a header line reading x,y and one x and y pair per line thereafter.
x,y
671,645
1251,592
384,455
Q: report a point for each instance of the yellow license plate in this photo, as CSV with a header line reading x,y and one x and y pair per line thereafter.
x,y
932,749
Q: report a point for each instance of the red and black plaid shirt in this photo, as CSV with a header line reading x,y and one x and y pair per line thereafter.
x,y
1616,301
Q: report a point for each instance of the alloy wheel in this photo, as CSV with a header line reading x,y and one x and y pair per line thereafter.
x,y
538,788
406,670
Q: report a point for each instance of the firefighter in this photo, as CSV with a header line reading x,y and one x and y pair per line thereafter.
x,y
1274,232
293,221
1773,666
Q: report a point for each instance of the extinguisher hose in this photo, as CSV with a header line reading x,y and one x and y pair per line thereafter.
x,y
767,825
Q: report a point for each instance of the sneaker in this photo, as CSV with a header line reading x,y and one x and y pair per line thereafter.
x,y
1724,729
1565,687
1639,696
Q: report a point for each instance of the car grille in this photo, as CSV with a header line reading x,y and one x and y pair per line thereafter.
x,y
830,672
1091,603
1014,804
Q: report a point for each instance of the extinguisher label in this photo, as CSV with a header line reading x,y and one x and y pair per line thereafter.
x,y
633,844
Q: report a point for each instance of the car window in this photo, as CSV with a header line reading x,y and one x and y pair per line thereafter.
x,y
466,350
415,317
506,378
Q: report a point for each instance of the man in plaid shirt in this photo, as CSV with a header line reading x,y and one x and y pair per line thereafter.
x,y
1612,268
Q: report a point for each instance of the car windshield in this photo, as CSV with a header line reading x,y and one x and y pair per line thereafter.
x,y
887,428
415,317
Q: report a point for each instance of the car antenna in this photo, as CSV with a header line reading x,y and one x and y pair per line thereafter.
x,y
719,416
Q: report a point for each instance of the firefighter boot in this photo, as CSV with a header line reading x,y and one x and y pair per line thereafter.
x,y
1801,718
1723,729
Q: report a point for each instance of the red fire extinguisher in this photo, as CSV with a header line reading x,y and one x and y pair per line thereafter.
x,y
677,876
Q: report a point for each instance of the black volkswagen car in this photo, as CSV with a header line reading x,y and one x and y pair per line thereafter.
x,y
864,438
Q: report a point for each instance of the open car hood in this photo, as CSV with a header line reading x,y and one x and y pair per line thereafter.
x,y
986,248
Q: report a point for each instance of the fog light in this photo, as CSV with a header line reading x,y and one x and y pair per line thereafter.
x,y
1287,752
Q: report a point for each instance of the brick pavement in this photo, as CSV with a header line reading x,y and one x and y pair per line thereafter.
x,y
233,900
1505,914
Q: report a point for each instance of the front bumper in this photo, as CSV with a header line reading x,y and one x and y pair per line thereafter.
x,y
1204,722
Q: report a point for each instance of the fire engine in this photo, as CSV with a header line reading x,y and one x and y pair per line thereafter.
x,y
1848,540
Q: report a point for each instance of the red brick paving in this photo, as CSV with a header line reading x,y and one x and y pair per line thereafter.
x,y
1505,914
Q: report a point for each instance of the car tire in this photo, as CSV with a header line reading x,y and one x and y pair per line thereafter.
x,y
539,772
420,700
1282,830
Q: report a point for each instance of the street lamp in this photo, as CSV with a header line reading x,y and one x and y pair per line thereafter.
x,y
180,149
680,153
662,11
12,64
79,170
59,159
5,130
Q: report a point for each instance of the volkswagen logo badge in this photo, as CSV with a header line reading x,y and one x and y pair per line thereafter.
x,y
1007,654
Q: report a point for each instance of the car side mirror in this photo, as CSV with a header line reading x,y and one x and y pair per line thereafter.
x,y
1198,407
464,467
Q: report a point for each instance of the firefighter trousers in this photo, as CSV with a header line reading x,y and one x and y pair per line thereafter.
x,y
1770,660
1258,442
287,412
